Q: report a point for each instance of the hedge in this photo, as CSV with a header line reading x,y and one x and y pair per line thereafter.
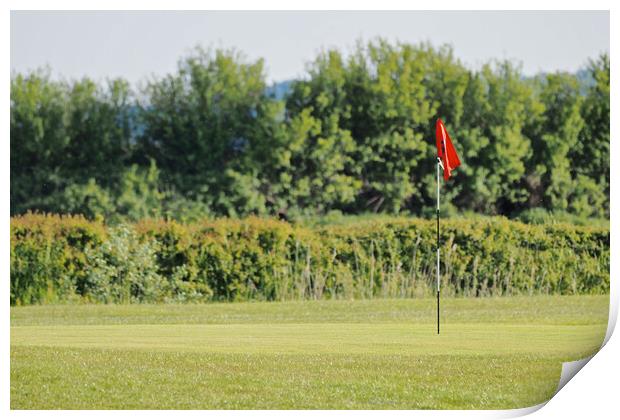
x,y
64,258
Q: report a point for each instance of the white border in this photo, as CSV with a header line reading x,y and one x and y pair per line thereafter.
x,y
592,392
309,5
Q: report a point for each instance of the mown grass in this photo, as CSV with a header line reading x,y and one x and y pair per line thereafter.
x,y
492,353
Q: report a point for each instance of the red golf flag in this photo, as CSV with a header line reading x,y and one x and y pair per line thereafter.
x,y
445,150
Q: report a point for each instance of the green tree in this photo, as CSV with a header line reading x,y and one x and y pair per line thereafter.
x,y
201,123
99,128
555,133
397,105
376,106
38,139
65,134
356,134
500,107
89,200
590,157
138,194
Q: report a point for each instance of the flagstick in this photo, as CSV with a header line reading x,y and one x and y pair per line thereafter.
x,y
438,280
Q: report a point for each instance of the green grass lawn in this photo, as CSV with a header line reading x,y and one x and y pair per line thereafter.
x,y
493,353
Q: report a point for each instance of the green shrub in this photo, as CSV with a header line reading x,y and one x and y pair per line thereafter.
x,y
90,200
59,259
48,261
123,269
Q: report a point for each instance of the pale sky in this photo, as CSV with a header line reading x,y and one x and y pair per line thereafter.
x,y
137,45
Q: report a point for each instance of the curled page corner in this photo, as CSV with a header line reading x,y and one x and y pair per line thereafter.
x,y
570,369
520,412
613,316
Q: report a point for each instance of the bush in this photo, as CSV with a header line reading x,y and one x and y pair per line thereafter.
x,y
90,200
123,269
48,260
59,259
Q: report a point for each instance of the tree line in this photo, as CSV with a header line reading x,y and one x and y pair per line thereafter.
x,y
354,135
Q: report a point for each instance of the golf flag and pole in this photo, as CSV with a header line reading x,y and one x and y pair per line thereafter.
x,y
448,160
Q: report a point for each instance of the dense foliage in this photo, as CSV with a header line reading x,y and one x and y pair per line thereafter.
x,y
58,259
355,135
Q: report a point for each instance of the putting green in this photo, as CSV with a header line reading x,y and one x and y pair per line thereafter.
x,y
301,354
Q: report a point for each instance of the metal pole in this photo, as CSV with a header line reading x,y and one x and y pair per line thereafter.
x,y
438,274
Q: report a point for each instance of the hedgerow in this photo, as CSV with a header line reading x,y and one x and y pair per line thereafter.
x,y
48,260
60,259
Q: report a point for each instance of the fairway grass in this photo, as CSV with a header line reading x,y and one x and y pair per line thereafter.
x,y
494,353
